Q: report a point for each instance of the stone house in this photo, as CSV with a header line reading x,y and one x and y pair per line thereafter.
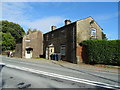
x,y
31,45
65,41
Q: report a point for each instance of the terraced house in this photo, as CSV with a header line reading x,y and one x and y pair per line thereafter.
x,y
65,41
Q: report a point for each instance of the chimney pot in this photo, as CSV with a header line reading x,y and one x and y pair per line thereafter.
x,y
29,32
67,22
53,28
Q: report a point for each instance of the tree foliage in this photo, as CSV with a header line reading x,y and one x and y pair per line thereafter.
x,y
8,41
11,33
14,29
104,37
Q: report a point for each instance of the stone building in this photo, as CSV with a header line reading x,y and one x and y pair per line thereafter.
x,y
65,41
18,49
31,45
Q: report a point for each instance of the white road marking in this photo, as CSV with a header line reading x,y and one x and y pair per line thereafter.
x,y
2,63
94,83
33,64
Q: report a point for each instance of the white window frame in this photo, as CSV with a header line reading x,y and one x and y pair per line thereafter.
x,y
93,33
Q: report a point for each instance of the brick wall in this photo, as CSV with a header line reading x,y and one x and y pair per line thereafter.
x,y
81,54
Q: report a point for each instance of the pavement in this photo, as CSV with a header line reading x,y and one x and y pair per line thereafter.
x,y
97,67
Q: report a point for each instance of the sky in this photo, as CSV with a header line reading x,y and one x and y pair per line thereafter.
x,y
42,15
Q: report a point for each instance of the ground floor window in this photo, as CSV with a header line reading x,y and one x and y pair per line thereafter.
x,y
62,49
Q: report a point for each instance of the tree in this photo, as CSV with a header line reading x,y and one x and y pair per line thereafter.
x,y
8,41
104,36
14,29
11,33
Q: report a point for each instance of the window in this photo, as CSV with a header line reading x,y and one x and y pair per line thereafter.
x,y
47,37
93,33
62,50
52,35
51,50
63,33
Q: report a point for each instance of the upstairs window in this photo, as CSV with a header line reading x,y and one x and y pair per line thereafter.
x,y
63,33
47,37
93,33
52,35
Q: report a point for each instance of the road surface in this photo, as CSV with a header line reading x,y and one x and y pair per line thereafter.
x,y
19,73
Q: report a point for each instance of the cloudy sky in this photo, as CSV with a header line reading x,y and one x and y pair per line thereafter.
x,y
42,15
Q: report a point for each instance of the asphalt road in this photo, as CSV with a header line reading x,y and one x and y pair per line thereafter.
x,y
19,73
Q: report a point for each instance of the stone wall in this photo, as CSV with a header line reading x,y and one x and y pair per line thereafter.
x,y
83,29
71,36
62,36
35,42
57,38
18,50
83,32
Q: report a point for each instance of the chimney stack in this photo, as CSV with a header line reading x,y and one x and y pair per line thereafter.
x,y
29,31
67,22
53,28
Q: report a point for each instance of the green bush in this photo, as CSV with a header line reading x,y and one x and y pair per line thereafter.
x,y
103,52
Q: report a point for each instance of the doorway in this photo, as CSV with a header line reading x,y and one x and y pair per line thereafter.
x,y
28,53
49,51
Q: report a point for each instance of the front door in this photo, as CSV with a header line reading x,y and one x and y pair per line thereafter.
x,y
28,54
51,51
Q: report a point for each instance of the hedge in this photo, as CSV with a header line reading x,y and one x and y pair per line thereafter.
x,y
103,51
